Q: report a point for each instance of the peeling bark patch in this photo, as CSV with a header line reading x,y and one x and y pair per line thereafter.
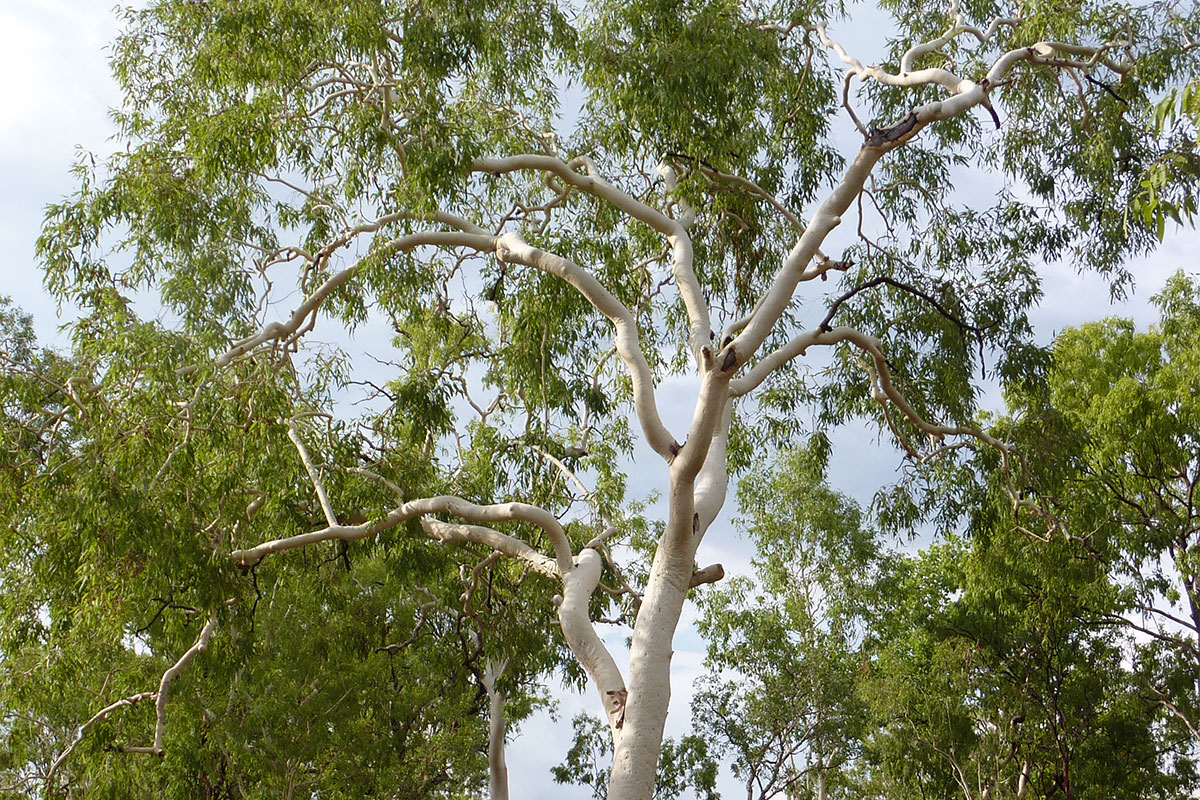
x,y
617,698
882,136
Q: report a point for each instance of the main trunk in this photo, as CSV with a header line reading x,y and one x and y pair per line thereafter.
x,y
636,749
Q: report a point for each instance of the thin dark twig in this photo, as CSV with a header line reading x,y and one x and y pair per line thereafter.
x,y
833,309
1106,88
153,619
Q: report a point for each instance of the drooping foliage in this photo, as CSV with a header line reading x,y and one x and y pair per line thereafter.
x,y
220,512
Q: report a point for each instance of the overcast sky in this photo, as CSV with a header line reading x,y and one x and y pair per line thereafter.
x,y
58,91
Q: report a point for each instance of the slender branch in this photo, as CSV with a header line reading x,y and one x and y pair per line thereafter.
x,y
1174,709
160,697
318,485
882,388
883,279
713,173
100,715
275,331
956,29
965,94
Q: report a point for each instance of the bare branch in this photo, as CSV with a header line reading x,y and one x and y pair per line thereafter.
x,y
501,543
965,94
100,715
500,512
511,247
160,697
699,323
958,27
882,388
277,331
318,485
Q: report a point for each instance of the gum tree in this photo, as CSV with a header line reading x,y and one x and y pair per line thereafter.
x,y
555,210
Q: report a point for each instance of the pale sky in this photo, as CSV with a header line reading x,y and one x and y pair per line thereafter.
x,y
57,94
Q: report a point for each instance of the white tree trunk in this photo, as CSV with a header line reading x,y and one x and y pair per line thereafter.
x,y
639,738
497,730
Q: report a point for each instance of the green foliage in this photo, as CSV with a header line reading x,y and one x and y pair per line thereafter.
x,y
275,158
780,700
1167,187
1113,454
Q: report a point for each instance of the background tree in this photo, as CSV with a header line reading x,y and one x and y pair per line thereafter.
x,y
780,699
1113,469
291,163
976,668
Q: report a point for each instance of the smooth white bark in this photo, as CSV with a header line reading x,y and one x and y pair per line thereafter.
x,y
585,643
699,324
497,730
511,247
499,512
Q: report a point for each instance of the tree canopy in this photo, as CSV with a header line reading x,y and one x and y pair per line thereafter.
x,y
286,568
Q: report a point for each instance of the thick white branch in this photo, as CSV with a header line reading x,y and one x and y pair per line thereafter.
x,y
448,504
500,542
585,643
675,231
497,730
712,482
829,215
511,247
160,704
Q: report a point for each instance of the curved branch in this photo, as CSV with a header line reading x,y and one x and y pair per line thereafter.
x,y
882,388
833,308
578,586
699,323
102,714
956,29
200,646
501,543
276,331
512,248
160,697
499,512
